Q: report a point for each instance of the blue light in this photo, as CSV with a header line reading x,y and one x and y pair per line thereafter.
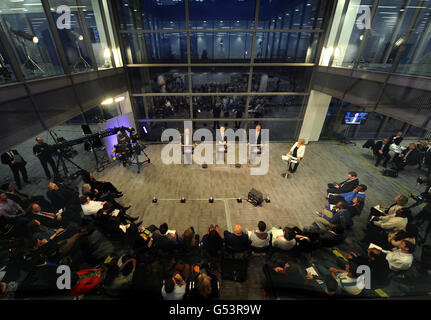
x,y
145,129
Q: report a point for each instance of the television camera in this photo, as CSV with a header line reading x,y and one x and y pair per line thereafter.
x,y
129,148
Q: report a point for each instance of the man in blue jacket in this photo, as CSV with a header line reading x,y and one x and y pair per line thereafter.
x,y
358,192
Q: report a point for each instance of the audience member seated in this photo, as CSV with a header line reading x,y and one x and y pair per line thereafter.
x,y
112,224
165,241
401,257
283,239
408,157
260,238
396,139
331,237
236,241
95,195
62,197
205,286
344,273
337,215
400,203
378,264
101,186
346,186
290,275
358,192
188,240
24,200
49,219
174,287
355,209
12,211
212,242
392,223
408,233
381,151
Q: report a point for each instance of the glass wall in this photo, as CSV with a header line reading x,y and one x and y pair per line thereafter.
x,y
6,72
230,60
398,36
28,33
85,43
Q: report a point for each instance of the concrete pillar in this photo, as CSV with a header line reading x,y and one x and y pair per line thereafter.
x,y
315,114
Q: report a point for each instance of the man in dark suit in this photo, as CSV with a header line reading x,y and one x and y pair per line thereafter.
x,y
381,151
24,200
163,240
408,157
17,164
346,186
62,197
43,151
236,241
397,139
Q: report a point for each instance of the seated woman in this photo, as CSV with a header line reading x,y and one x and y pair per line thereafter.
x,y
205,286
355,209
174,288
101,186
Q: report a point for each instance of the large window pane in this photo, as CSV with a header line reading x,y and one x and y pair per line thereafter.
x,y
219,107
387,34
155,48
369,129
278,130
72,39
220,47
28,32
152,131
350,36
282,14
392,127
6,73
275,106
416,57
232,79
176,107
281,79
159,80
286,47
152,14
221,14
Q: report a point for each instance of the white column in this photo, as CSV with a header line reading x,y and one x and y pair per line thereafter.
x,y
317,107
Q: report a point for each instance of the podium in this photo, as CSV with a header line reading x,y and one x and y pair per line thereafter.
x,y
288,159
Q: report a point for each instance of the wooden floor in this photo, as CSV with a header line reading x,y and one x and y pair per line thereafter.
x,y
293,201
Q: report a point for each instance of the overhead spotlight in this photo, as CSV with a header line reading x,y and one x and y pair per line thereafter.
x,y
239,200
119,99
211,200
204,166
154,200
35,39
183,200
107,102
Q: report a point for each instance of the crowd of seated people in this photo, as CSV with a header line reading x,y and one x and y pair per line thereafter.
x,y
160,263
413,154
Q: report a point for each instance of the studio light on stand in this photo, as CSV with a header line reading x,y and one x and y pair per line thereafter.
x,y
22,37
82,64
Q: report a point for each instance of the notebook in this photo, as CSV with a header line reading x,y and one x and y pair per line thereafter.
x,y
372,245
312,271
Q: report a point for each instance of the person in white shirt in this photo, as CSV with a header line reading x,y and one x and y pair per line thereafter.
x,y
400,202
283,239
297,151
392,223
174,288
402,258
90,207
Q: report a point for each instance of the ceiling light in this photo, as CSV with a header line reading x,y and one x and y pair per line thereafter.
x,y
35,39
361,37
119,99
107,102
